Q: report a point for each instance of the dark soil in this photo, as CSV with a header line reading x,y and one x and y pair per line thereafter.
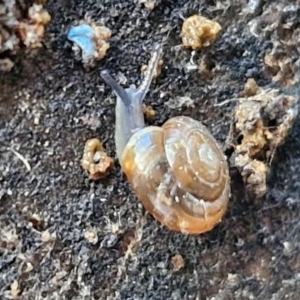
x,y
50,106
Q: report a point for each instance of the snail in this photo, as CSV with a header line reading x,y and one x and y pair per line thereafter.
x,y
178,170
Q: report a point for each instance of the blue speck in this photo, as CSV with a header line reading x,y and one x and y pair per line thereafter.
x,y
83,36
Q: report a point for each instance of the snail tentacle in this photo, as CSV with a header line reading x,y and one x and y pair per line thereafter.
x,y
145,85
117,89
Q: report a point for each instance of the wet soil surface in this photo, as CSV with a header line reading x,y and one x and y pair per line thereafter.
x,y
63,236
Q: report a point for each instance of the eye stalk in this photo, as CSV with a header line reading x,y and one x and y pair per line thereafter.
x,y
129,110
152,65
117,89
139,93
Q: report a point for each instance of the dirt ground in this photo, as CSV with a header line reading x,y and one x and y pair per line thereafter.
x,y
63,236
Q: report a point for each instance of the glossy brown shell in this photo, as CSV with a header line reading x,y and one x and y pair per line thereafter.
x,y
179,173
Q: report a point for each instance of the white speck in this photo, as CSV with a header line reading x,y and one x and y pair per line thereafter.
x,y
181,168
183,225
176,199
36,121
22,158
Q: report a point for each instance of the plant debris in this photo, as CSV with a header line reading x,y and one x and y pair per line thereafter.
x,y
16,30
263,120
90,42
178,262
148,111
198,31
280,24
95,160
32,32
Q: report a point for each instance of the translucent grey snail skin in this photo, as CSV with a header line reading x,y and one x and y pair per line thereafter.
x,y
178,171
129,109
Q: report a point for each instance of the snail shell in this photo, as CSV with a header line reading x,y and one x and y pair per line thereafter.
x,y
179,173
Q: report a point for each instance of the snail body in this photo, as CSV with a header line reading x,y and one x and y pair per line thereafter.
x,y
178,171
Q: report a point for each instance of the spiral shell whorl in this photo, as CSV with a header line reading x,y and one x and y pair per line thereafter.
x,y
195,157
166,175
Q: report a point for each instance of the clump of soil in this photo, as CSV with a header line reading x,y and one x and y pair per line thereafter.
x,y
21,24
